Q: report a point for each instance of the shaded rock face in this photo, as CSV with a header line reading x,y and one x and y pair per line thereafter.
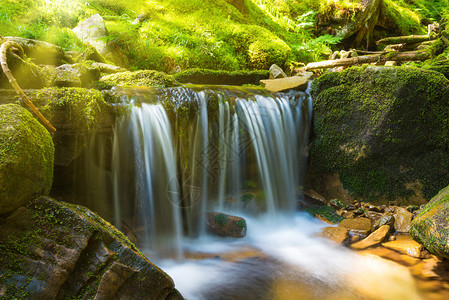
x,y
26,158
383,130
226,225
431,226
52,250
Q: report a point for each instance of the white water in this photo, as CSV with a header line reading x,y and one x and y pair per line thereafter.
x,y
250,144
289,262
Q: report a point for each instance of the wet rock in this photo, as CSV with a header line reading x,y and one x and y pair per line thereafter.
x,y
374,238
357,225
336,234
384,220
336,203
402,220
405,245
26,158
55,250
42,53
226,225
298,82
276,72
75,75
431,225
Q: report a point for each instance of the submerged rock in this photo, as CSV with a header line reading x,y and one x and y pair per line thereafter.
x,y
26,158
431,226
52,250
383,130
226,225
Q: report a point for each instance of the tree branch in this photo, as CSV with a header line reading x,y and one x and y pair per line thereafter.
x,y
9,45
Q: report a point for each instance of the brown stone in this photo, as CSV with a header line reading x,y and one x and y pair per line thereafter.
x,y
287,83
374,238
358,225
402,219
405,245
336,234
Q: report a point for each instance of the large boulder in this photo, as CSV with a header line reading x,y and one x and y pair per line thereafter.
x,y
431,226
74,75
42,53
53,250
147,78
383,130
26,158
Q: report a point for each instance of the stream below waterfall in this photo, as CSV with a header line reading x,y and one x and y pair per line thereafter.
x,y
179,153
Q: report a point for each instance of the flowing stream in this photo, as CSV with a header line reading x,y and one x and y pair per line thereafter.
x,y
180,153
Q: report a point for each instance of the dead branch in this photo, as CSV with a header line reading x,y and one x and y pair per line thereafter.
x,y
9,45
410,39
367,59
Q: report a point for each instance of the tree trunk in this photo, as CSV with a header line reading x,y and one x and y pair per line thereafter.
x,y
367,59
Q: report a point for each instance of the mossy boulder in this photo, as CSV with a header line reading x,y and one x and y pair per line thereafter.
x,y
55,250
431,226
26,158
383,130
226,225
147,78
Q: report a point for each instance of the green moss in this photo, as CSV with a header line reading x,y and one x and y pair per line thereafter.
x,y
221,219
26,158
325,212
147,78
382,129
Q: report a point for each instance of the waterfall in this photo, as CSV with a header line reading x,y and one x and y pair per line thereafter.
x,y
179,153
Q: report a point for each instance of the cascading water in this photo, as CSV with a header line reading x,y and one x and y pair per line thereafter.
x,y
226,145
179,153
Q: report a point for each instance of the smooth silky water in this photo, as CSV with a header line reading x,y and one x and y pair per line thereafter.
x,y
179,153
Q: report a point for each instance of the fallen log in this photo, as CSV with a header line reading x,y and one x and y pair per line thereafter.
x,y
367,59
410,39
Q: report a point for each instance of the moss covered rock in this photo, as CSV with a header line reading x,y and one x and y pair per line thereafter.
x,y
76,113
384,130
226,225
26,158
431,226
148,78
53,250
